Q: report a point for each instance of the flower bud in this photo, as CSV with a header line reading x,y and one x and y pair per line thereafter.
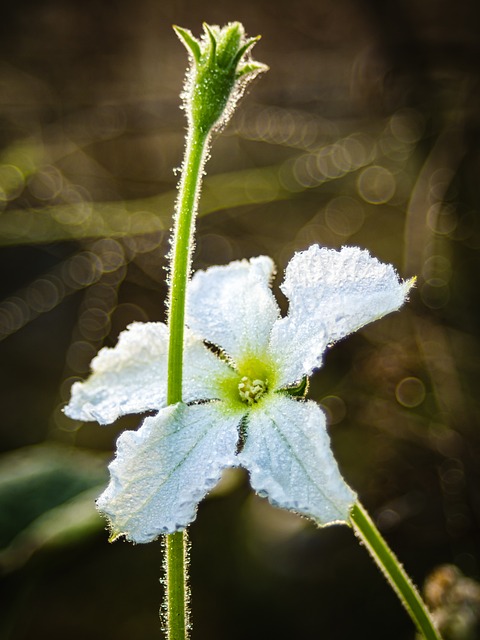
x,y
221,68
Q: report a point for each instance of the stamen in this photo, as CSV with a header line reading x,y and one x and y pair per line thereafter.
x,y
251,390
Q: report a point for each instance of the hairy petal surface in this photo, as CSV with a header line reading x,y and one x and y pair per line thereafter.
x,y
128,378
132,376
287,452
233,307
331,294
163,470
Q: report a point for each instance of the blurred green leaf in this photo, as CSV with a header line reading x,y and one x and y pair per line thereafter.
x,y
47,497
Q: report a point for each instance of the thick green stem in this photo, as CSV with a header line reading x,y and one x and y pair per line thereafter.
x,y
175,543
393,571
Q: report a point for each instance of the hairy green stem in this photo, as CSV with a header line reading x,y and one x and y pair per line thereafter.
x,y
212,88
177,593
190,184
393,571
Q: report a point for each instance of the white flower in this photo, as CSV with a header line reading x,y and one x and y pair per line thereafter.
x,y
238,406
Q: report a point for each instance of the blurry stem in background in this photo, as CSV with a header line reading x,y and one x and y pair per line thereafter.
x,y
428,197
393,572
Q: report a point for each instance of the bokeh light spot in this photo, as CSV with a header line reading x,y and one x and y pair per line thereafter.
x,y
435,293
344,216
94,324
440,182
82,269
335,409
437,266
213,248
12,182
15,314
46,184
101,296
79,356
356,150
407,125
62,422
126,313
376,185
110,253
43,295
442,218
410,392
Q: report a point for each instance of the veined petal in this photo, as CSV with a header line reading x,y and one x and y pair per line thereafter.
x,y
233,307
132,376
331,293
163,470
287,452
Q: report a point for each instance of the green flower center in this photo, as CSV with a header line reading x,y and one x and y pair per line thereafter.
x,y
247,383
251,390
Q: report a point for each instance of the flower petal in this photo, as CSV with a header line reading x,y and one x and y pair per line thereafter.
x,y
163,470
202,370
233,307
331,293
287,452
132,376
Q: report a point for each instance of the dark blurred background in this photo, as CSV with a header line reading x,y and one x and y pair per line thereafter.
x,y
365,131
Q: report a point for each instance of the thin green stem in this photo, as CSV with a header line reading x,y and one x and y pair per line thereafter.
x,y
175,545
190,184
176,609
393,571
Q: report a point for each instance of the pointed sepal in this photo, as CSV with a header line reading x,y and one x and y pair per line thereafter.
x,y
220,71
191,43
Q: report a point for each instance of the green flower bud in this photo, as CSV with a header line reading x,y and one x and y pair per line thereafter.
x,y
221,68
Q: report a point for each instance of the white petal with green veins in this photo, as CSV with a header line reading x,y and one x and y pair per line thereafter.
x,y
287,452
163,470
